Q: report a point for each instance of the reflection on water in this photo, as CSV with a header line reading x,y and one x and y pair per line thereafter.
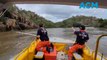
x,y
11,43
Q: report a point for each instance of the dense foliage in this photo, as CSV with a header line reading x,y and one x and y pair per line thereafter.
x,y
85,20
15,18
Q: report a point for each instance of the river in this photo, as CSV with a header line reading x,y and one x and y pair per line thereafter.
x,y
11,43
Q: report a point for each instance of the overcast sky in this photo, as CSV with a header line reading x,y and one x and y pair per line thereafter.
x,y
57,13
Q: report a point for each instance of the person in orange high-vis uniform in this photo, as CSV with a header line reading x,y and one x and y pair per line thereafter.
x,y
41,46
82,37
43,35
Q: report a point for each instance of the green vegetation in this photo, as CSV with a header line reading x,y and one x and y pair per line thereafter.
x,y
102,23
85,20
18,19
15,18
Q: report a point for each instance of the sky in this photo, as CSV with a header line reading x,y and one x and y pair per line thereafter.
x,y
58,13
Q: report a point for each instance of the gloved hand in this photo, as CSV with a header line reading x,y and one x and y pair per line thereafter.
x,y
38,36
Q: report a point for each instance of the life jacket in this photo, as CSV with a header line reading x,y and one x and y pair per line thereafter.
x,y
43,34
82,37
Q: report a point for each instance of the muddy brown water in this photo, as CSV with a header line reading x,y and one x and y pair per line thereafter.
x,y
11,43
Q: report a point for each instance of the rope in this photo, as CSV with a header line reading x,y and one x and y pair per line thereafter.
x,y
3,12
6,10
18,32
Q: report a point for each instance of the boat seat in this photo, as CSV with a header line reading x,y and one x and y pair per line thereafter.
x,y
39,55
77,56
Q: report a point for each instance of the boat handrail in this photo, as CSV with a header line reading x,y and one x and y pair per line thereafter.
x,y
97,45
100,54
